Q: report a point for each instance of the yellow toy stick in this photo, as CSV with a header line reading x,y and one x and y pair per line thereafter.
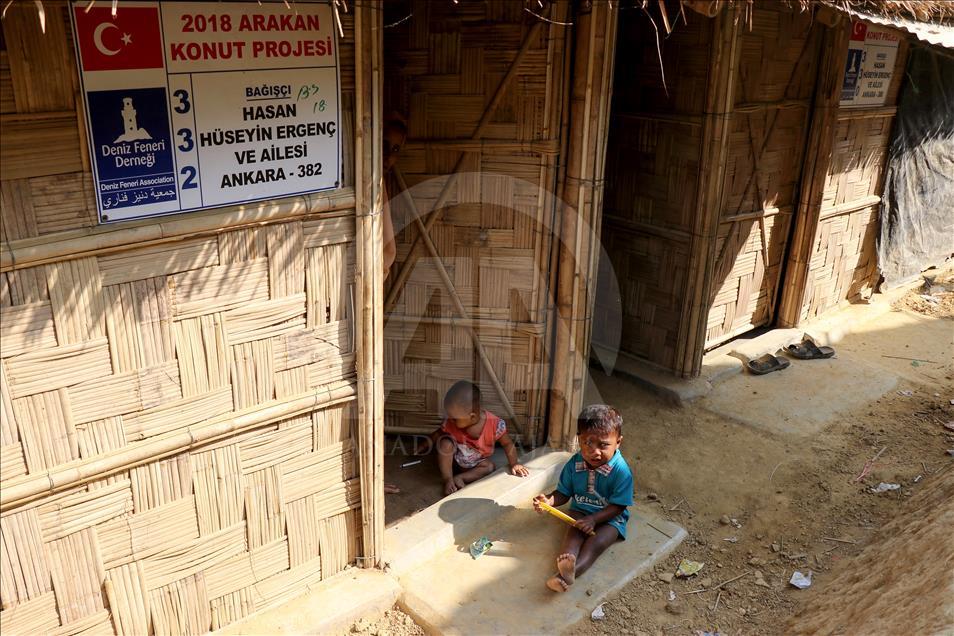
x,y
559,514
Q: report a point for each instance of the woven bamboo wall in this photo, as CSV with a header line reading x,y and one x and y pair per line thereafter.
x,y
177,424
843,264
778,60
443,67
652,171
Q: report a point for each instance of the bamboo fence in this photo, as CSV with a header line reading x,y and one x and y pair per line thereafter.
x,y
187,411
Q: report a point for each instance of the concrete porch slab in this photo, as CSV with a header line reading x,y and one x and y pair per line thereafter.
x,y
419,537
503,591
802,399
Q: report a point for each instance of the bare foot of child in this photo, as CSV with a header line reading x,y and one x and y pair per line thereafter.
x,y
557,584
566,566
453,485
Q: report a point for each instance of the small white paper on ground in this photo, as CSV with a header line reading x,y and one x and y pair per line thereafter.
x,y
883,487
801,581
598,614
672,595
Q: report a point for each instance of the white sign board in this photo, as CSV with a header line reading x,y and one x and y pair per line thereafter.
x,y
872,52
191,105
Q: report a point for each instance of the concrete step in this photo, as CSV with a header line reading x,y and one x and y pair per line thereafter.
x,y
503,591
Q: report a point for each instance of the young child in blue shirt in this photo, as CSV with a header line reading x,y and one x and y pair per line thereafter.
x,y
599,486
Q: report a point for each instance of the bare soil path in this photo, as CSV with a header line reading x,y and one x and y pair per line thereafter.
x,y
764,504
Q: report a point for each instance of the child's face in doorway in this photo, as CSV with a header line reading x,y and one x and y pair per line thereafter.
x,y
462,416
393,142
598,447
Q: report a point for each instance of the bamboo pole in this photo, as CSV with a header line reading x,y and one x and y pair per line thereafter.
x,y
106,239
458,305
565,265
435,212
720,97
37,485
539,146
589,116
558,216
368,37
814,172
527,328
596,209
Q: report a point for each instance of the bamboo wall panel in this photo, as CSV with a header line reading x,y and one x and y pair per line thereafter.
x,y
843,263
443,69
652,168
90,370
778,59
22,31
105,359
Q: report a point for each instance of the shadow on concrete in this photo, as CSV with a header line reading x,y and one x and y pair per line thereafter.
x,y
455,511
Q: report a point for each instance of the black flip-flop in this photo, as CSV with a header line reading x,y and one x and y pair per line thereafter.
x,y
767,364
808,350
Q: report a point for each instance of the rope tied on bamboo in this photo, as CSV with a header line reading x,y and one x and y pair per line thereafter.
x,y
592,182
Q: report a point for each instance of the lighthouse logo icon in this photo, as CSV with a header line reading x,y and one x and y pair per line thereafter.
x,y
132,131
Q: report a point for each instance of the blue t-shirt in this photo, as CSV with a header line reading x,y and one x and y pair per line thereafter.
x,y
592,490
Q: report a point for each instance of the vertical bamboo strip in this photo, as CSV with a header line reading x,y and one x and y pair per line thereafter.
x,y
128,600
368,37
24,570
8,422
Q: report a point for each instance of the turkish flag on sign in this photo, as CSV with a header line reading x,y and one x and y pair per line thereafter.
x,y
131,40
858,31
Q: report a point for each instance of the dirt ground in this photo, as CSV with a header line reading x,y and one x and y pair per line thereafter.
x,y
881,591
934,298
759,506
393,623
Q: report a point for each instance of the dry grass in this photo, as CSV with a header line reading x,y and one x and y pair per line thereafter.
x,y
920,10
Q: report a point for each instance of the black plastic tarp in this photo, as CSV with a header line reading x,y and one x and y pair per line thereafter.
x,y
917,213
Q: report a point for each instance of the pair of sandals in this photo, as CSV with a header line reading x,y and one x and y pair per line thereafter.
x,y
804,350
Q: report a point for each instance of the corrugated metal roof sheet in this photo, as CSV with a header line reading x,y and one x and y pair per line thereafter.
x,y
937,34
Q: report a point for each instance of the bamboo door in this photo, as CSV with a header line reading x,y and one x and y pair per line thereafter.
x,y
480,84
769,125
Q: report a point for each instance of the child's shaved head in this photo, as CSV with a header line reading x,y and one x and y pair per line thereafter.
x,y
463,394
600,418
